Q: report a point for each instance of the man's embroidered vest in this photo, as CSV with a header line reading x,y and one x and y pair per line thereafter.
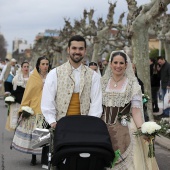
x,y
65,87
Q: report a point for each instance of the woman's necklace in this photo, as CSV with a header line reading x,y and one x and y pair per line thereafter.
x,y
25,75
43,76
25,78
116,82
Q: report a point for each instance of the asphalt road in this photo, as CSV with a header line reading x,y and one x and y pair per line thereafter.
x,y
12,159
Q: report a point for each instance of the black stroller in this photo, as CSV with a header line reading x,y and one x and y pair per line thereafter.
x,y
81,143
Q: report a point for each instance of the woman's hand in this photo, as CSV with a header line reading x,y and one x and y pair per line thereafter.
x,y
146,138
53,125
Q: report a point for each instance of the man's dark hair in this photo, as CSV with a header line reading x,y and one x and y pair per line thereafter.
x,y
76,38
160,57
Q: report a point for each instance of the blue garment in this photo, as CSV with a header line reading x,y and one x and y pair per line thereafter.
x,y
10,78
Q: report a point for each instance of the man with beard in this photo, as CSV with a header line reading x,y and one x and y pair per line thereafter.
x,y
72,88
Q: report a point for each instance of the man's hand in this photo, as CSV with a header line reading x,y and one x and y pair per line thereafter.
x,y
53,125
168,87
1,81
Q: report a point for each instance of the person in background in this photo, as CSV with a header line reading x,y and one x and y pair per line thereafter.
x,y
8,73
165,80
123,114
2,64
100,67
22,140
19,83
95,67
155,83
7,60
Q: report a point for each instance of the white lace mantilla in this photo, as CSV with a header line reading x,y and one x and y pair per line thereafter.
x,y
19,80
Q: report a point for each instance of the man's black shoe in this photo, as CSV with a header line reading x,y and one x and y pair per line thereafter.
x,y
33,163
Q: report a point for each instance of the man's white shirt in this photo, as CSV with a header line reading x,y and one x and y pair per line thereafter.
x,y
48,103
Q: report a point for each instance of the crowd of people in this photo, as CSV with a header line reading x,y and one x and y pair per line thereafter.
x,y
104,89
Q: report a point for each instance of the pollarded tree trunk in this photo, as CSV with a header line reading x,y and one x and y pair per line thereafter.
x,y
97,40
102,33
96,47
139,31
64,55
167,50
141,58
167,43
34,59
164,34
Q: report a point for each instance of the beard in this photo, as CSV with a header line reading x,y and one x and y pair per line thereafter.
x,y
75,59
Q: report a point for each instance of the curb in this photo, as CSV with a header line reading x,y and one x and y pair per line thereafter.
x,y
163,141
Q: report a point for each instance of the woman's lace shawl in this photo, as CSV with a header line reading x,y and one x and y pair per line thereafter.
x,y
116,99
19,80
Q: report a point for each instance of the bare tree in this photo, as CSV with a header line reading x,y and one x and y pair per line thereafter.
x,y
3,44
140,20
164,34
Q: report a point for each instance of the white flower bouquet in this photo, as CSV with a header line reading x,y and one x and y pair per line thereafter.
x,y
150,130
26,111
9,100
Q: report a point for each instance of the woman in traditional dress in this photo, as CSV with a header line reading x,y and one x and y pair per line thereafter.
x,y
19,83
123,114
23,137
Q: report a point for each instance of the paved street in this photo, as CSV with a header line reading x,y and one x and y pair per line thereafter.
x,y
12,159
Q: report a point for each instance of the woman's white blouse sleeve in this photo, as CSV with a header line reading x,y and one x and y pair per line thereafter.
x,y
136,101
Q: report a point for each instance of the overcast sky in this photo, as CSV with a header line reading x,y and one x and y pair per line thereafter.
x,y
26,18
